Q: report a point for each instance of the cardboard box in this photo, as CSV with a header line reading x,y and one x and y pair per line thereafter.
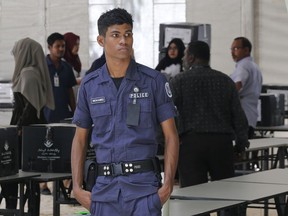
x,y
9,153
47,147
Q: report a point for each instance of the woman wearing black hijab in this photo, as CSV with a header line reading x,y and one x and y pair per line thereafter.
x,y
171,64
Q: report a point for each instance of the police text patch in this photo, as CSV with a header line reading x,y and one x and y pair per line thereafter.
x,y
139,95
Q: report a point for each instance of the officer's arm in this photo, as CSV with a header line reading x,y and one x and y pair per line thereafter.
x,y
78,155
170,157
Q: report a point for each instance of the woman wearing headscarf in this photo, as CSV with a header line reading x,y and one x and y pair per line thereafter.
x,y
72,42
32,90
31,84
171,64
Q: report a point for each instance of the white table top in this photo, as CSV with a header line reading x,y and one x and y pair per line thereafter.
x,y
264,143
273,176
272,128
196,207
225,190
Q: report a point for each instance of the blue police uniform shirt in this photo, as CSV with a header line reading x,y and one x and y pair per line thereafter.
x,y
100,104
66,80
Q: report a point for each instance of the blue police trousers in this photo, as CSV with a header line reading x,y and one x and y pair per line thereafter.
x,y
144,206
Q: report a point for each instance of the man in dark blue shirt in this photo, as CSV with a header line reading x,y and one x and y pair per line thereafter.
x,y
125,102
62,79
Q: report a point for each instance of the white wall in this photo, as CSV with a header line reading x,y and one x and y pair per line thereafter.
x,y
37,19
264,22
272,40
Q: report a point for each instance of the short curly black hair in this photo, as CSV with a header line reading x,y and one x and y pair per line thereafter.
x,y
116,16
53,37
245,42
199,49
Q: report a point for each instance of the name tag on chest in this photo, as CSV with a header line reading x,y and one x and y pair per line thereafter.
x,y
98,100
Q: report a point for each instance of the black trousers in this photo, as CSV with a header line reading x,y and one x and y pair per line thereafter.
x,y
32,194
10,193
205,154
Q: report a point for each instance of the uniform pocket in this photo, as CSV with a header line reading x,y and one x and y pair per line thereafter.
x,y
145,116
145,113
154,203
102,116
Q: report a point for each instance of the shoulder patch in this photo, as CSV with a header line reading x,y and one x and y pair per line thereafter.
x,y
168,90
90,76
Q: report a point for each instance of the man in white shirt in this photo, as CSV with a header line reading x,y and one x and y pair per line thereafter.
x,y
248,79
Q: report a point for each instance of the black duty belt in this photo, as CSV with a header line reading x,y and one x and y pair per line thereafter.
x,y
126,168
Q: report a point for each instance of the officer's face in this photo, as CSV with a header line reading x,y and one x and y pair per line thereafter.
x,y
118,41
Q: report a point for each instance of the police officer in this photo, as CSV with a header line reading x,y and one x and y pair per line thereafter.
x,y
124,101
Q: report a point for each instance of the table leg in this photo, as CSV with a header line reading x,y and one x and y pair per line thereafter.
x,y
280,202
21,202
56,194
265,159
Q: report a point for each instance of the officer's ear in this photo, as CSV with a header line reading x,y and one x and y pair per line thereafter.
x,y
100,40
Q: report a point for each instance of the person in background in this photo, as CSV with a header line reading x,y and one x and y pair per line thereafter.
x,y
62,79
72,43
122,103
210,115
248,80
32,91
171,64
99,62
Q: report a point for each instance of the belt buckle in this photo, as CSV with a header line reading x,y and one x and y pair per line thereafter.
x,y
117,169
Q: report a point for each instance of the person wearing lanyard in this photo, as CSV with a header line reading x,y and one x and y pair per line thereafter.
x,y
124,101
62,79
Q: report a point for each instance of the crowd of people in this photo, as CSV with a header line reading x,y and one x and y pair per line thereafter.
x,y
122,104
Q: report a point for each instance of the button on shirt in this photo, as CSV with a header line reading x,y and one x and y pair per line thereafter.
x,y
249,74
101,105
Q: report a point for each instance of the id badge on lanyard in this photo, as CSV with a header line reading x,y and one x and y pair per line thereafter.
x,y
56,80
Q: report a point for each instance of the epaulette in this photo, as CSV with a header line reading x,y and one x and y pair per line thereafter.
x,y
92,75
147,71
